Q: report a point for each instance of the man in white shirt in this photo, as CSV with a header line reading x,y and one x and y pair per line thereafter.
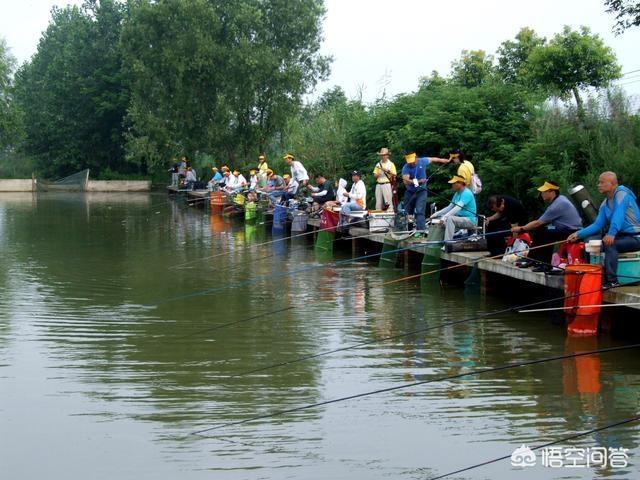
x,y
356,198
298,172
290,187
241,182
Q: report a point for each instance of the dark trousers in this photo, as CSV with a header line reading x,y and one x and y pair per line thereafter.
x,y
415,203
543,236
497,244
622,244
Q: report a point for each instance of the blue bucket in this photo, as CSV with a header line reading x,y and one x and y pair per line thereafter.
x,y
279,217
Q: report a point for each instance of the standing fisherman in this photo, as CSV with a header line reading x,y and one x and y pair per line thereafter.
x,y
385,174
298,172
414,177
262,170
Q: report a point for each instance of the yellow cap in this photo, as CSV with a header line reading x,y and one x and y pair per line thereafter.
x,y
286,175
287,156
260,157
411,158
456,179
548,186
252,171
454,155
215,169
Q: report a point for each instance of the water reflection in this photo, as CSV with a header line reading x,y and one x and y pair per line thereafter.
x,y
79,329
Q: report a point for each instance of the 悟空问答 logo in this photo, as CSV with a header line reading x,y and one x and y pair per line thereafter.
x,y
523,456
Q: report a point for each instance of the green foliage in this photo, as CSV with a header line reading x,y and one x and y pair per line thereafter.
x,y
10,118
72,92
472,69
573,60
513,55
320,135
218,77
627,13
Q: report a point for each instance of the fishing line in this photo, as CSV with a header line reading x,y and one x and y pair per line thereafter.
x,y
412,332
247,247
481,371
266,314
294,272
555,442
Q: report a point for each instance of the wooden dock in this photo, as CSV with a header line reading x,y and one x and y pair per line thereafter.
x,y
618,295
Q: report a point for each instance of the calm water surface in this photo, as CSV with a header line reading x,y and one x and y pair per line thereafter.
x,y
112,353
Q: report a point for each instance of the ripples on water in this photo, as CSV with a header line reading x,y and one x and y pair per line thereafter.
x,y
108,361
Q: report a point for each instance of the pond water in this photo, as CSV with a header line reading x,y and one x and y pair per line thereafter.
x,y
125,327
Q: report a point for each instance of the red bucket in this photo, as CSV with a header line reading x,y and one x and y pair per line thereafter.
x,y
582,289
329,220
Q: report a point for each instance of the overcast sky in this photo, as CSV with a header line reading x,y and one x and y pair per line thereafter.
x,y
389,44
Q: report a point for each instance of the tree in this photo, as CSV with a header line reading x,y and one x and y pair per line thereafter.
x,y
627,13
73,92
513,55
573,60
9,114
472,69
219,77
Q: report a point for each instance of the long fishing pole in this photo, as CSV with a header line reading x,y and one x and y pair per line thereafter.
x,y
261,278
414,332
269,242
545,445
272,312
480,371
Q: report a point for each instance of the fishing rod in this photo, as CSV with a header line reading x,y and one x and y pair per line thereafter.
x,y
260,278
413,332
269,313
479,371
545,445
603,305
269,242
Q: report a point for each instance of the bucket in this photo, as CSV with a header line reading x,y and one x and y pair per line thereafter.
x,y
239,199
216,202
432,254
299,223
582,287
279,217
250,212
329,220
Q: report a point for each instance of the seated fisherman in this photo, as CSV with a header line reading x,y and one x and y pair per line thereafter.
x,y
323,191
190,178
619,220
241,182
356,199
508,212
461,212
253,179
290,187
215,179
559,220
274,187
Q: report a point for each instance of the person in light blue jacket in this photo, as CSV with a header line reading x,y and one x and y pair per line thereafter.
x,y
619,221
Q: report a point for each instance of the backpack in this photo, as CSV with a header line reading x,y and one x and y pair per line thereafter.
x,y
476,184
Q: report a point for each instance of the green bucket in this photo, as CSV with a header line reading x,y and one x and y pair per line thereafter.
x,y
250,212
432,254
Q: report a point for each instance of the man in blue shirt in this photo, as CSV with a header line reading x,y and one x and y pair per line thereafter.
x,y
559,220
414,177
461,212
619,217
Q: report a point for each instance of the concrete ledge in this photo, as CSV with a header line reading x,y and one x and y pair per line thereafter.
x,y
15,185
119,186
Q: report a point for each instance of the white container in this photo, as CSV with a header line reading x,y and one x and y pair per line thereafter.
x,y
594,246
381,222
